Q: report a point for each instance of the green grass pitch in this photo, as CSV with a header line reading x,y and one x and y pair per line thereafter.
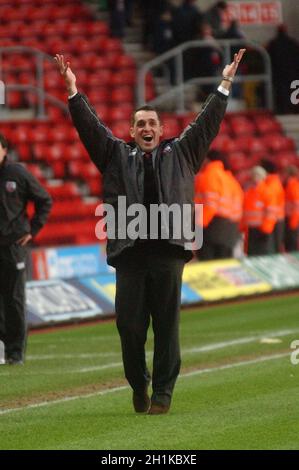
x,y
238,388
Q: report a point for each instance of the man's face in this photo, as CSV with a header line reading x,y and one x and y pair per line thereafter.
x,y
3,152
146,130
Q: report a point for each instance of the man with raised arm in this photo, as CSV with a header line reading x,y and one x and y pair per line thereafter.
x,y
149,269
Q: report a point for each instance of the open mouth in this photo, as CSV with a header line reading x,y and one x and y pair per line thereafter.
x,y
147,138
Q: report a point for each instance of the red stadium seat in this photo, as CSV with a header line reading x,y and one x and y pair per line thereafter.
x,y
249,144
97,28
223,143
278,142
99,96
123,77
119,113
267,124
239,161
171,128
122,94
121,129
241,125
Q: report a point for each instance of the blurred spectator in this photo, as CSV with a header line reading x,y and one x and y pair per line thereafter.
x,y
151,11
218,191
186,20
233,32
258,216
18,188
129,6
276,190
117,17
214,16
284,54
292,208
203,61
163,39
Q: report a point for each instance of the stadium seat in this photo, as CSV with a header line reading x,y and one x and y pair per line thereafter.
x,y
121,129
250,144
223,143
122,94
241,125
172,128
267,124
278,142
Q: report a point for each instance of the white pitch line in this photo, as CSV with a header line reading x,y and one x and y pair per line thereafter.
x,y
82,370
208,347
246,340
47,357
125,387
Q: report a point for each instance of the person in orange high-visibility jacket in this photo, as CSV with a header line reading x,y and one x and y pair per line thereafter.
x,y
292,209
277,192
259,215
216,189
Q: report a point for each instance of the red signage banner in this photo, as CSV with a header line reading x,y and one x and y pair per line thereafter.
x,y
254,13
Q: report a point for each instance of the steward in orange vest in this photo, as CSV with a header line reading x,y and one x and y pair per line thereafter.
x,y
292,209
220,195
276,189
259,215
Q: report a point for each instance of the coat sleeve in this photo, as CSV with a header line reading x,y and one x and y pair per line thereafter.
x,y
42,203
196,139
95,136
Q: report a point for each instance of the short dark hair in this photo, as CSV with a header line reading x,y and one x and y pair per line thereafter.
x,y
145,107
3,141
269,166
222,5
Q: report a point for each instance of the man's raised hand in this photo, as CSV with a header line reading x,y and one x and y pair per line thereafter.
x,y
231,69
66,72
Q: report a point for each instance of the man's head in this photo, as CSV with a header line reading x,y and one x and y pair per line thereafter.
x,y
221,5
146,128
269,166
3,148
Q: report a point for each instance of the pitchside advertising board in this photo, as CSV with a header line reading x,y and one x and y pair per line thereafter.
x,y
69,262
87,297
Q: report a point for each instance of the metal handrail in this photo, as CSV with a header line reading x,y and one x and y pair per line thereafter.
x,y
180,86
39,89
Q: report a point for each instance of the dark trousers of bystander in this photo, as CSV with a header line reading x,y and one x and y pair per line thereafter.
x,y
290,238
12,303
148,284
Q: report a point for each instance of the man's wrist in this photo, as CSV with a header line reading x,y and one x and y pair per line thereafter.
x,y
72,92
223,90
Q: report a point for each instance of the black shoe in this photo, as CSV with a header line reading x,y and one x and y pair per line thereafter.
x,y
141,401
14,361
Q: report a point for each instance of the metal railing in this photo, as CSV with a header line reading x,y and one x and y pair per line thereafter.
x,y
39,88
177,91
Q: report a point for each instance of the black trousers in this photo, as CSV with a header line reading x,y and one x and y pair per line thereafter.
x,y
13,329
290,238
278,236
210,251
148,284
259,243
